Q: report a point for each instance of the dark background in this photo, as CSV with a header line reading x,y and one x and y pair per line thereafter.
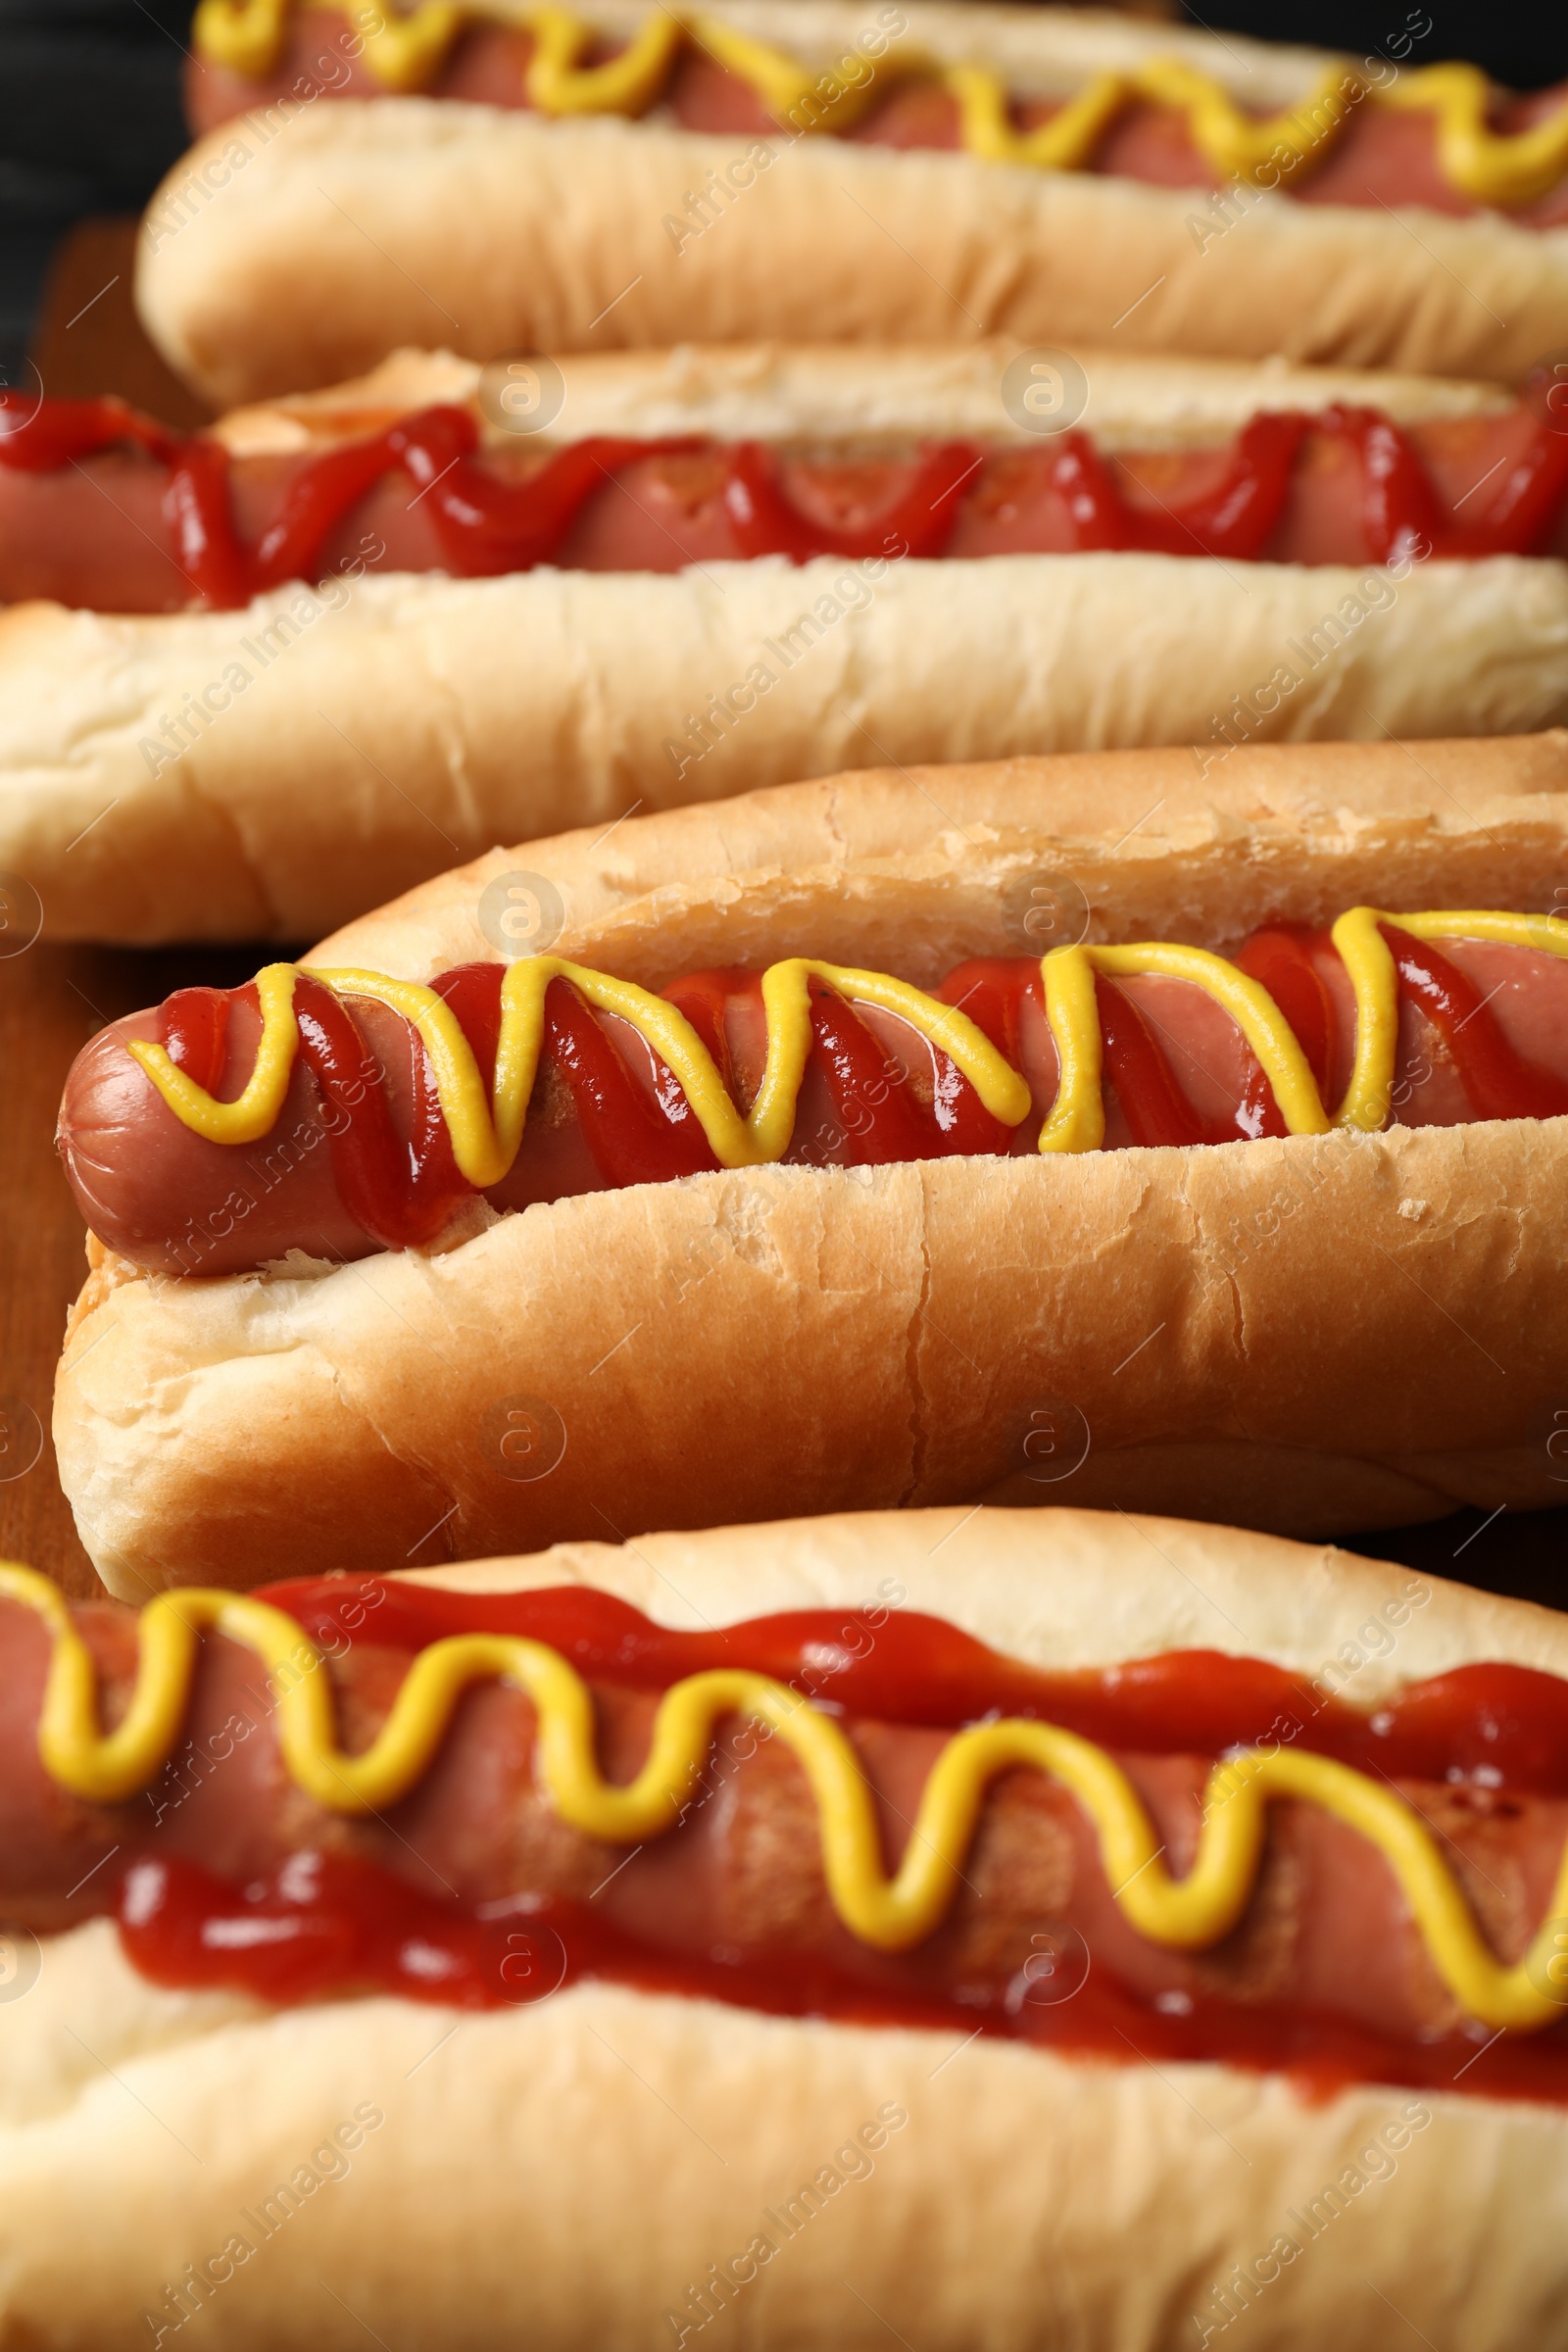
x,y
89,103
89,122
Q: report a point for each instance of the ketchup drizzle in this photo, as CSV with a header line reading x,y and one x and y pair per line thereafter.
x,y
635,1137
1401,513
704,997
1279,958
1499,1082
1155,1110
390,1185
878,1116
196,509
1236,519
488,526
330,1925
41,436
1240,517
766,520
196,1034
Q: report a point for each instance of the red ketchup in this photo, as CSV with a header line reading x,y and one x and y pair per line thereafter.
x,y
328,1925
41,436
487,525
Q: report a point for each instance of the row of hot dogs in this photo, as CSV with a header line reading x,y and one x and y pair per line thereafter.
x,y
1138,1091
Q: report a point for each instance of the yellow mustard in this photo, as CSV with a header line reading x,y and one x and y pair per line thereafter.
x,y
406,49
1077,1121
487,1131
486,1135
890,1913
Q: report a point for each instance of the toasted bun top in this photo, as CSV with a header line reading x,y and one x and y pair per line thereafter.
x,y
1064,1588
861,393
915,870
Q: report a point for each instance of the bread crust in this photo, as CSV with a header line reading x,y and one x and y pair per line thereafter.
x,y
563,2176
1308,1334
282,254
368,733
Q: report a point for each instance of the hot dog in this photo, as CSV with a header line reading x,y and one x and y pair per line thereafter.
x,y
729,569
1007,1116
839,173
792,1854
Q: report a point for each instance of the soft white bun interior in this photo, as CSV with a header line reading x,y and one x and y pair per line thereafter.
x,y
858,392
565,2177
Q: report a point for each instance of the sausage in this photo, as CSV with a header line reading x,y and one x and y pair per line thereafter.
x,y
99,533
170,1198
1380,156
319,59
607,1112
1327,1929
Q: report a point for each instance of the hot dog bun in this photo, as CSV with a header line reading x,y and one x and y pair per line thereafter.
x,y
358,737
561,2176
1308,1335
303,244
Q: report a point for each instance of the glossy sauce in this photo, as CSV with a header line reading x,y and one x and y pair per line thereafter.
x,y
232,529
326,1925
